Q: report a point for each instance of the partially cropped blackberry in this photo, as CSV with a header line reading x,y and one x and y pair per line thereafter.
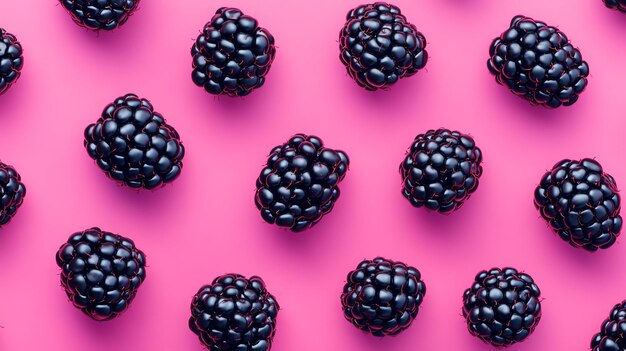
x,y
300,183
134,145
441,170
581,204
379,46
234,314
232,55
612,335
101,272
616,4
100,14
502,307
12,193
538,63
11,60
382,297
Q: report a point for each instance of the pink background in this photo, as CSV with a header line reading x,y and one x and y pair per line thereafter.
x,y
206,224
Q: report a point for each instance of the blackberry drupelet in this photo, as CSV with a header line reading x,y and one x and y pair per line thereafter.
x,y
441,170
502,307
234,313
300,183
382,297
232,55
134,145
619,5
581,204
11,60
101,272
100,14
612,335
379,46
538,63
12,193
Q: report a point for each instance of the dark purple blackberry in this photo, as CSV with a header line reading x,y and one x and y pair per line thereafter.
x,y
300,183
619,5
134,145
12,193
581,204
538,63
11,60
379,46
100,14
101,272
232,55
234,313
441,170
382,297
612,335
502,307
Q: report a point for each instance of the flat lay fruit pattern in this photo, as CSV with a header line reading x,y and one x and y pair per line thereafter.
x,y
205,223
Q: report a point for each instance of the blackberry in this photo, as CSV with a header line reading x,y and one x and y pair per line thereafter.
x,y
134,145
234,313
12,193
11,60
232,55
619,5
379,46
612,335
538,63
101,272
100,14
441,170
581,204
502,307
382,297
300,183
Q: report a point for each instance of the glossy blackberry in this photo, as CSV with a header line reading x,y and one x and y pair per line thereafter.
x,y
581,204
538,62
612,335
101,272
11,60
379,46
234,314
300,183
134,145
100,14
232,55
382,297
441,170
12,193
616,4
502,307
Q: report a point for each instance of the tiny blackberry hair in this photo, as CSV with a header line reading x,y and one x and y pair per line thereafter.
x,y
538,63
379,46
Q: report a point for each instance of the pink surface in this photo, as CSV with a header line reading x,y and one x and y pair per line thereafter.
x,y
206,224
